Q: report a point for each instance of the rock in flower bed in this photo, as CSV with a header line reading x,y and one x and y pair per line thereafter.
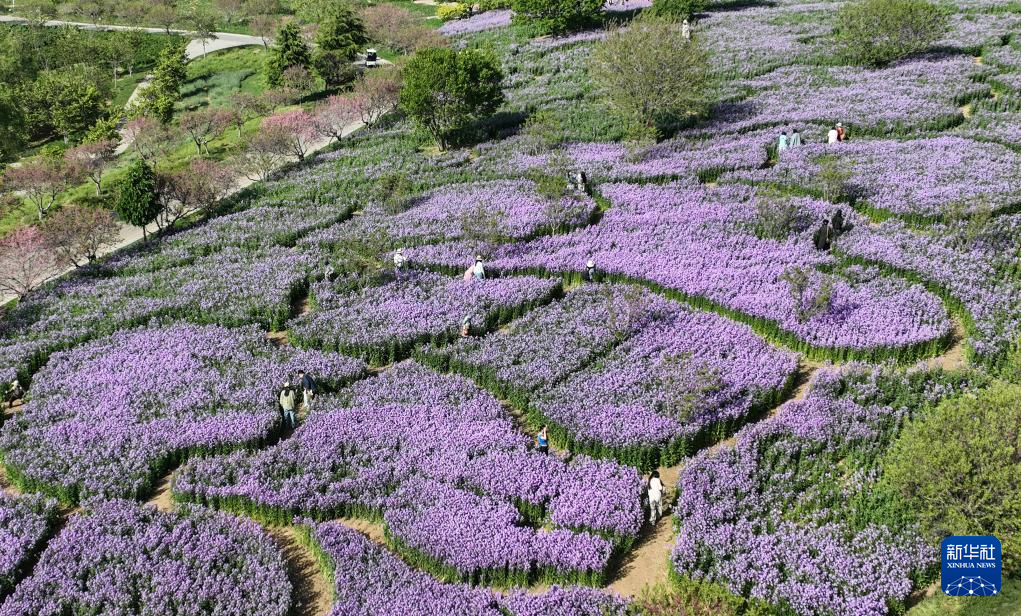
x,y
108,417
698,244
507,209
370,581
545,346
973,267
383,323
411,446
25,524
918,179
680,383
789,515
123,558
922,93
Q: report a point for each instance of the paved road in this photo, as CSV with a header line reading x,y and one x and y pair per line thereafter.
x,y
222,40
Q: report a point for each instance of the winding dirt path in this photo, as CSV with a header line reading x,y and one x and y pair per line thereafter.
x,y
313,595
162,497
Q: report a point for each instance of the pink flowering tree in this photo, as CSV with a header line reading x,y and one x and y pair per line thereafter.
x,y
41,180
25,261
91,160
376,94
194,188
151,139
76,234
338,113
204,125
297,126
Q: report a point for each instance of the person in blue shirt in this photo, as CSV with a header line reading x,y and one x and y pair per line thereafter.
x,y
542,440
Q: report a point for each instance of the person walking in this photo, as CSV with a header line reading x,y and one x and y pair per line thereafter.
x,y
781,145
542,440
399,261
795,139
479,270
838,223
308,389
823,237
590,268
686,30
287,405
655,491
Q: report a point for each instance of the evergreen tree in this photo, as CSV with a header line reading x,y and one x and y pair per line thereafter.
x,y
288,50
137,200
339,39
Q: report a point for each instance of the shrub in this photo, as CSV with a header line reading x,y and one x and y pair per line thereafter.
x,y
652,74
492,5
681,9
288,50
877,32
957,469
445,91
449,11
556,16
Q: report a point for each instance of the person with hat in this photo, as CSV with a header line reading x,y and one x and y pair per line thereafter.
x,y
841,134
590,268
287,405
479,270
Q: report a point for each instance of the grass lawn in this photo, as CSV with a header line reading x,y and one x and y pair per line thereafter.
x,y
213,78
1007,603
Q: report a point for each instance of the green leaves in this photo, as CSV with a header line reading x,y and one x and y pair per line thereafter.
x,y
878,32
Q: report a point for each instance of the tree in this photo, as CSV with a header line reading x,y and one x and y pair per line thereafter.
x,y
196,187
652,75
164,15
231,9
203,22
76,234
445,91
557,16
341,35
73,98
376,94
297,127
679,9
25,261
137,199
299,80
957,466
400,29
12,126
334,68
151,139
91,160
262,154
245,106
832,177
157,100
37,12
263,26
877,32
40,179
338,113
288,50
204,125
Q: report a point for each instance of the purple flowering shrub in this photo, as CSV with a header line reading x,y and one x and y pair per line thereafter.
x,y
108,417
680,383
25,524
697,244
477,23
915,179
123,558
408,448
545,346
383,323
509,209
370,581
789,515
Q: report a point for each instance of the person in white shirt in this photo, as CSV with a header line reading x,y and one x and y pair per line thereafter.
x,y
655,498
479,270
832,136
590,267
399,260
686,30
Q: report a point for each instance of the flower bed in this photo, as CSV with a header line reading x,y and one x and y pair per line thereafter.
x,y
370,581
914,94
916,179
410,446
477,23
681,383
25,524
721,265
107,418
122,558
788,514
383,323
510,209
545,346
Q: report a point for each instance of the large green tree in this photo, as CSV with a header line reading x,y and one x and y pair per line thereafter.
x,y
958,469
288,50
73,98
157,100
338,40
557,16
446,91
137,201
877,32
12,126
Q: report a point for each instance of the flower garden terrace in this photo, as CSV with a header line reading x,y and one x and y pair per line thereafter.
x,y
699,326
